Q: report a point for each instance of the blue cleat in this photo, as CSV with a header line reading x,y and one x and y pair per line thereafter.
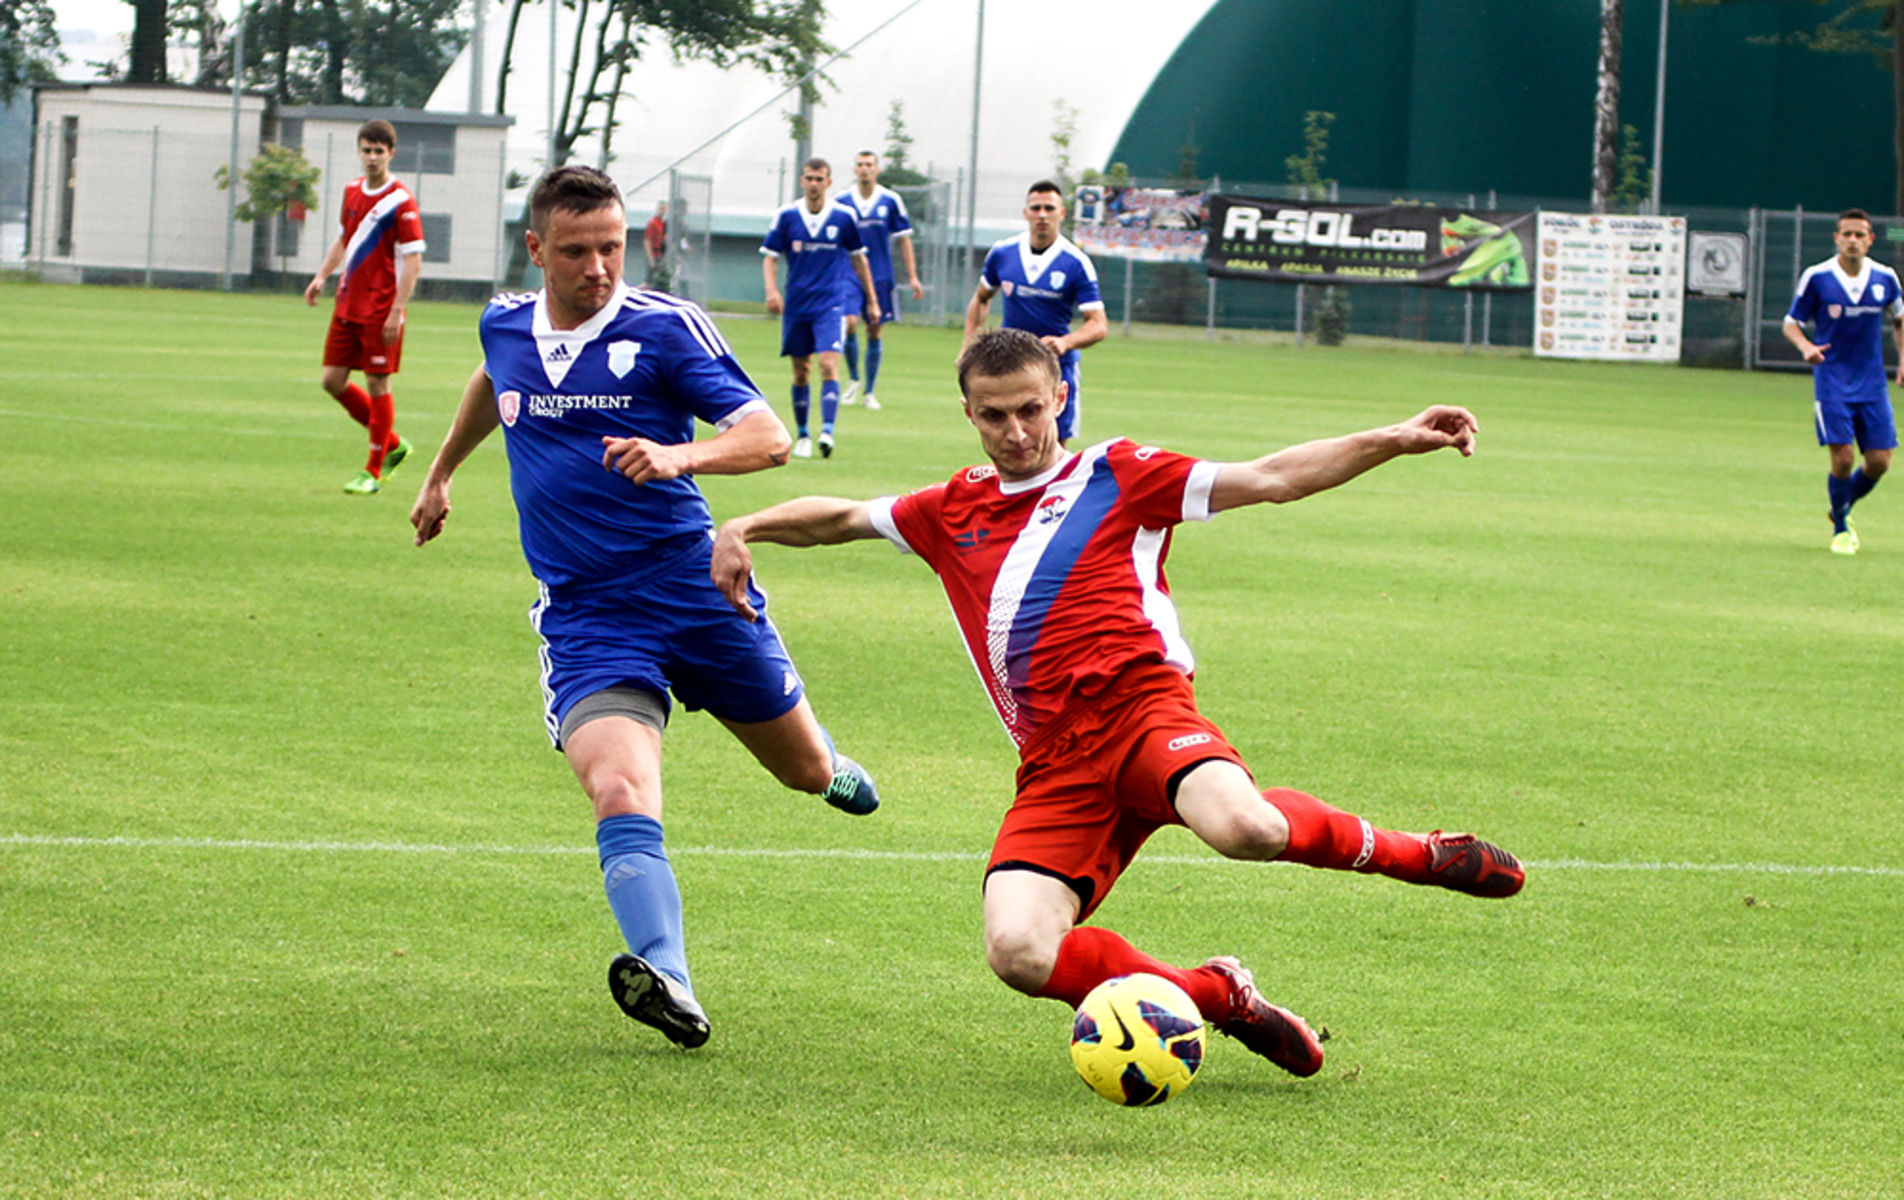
x,y
852,789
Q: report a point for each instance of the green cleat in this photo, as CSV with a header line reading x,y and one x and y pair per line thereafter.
x,y
1844,543
365,484
394,458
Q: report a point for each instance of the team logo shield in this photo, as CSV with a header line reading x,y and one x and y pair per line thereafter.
x,y
509,405
621,357
1057,279
1835,310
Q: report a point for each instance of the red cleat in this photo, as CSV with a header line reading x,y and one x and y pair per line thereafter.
x,y
1275,1033
1462,862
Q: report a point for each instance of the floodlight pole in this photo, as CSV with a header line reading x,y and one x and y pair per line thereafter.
x,y
231,172
1659,101
971,178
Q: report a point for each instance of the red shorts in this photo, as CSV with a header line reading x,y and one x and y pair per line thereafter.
x,y
361,347
1093,788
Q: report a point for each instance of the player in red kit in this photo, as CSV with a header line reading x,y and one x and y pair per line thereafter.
x,y
1053,563
379,252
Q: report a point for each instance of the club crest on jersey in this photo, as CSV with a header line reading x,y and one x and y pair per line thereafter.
x,y
1877,291
798,245
1008,287
509,406
621,357
1057,279
832,233
1052,508
1836,310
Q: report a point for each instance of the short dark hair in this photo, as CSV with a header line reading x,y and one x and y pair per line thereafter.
x,y
816,163
571,189
1046,185
379,131
1853,214
1000,352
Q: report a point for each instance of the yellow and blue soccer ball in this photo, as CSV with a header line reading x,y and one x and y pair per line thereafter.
x,y
1137,1040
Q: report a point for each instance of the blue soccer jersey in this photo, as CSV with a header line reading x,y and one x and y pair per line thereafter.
x,y
816,247
1041,288
648,365
1848,314
880,220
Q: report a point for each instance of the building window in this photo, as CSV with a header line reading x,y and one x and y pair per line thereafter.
x,y
424,149
436,237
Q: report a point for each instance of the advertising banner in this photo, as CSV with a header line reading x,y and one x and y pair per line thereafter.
x,y
1611,286
1289,241
1146,224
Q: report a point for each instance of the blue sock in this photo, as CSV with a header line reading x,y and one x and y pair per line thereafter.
x,y
875,350
829,404
852,355
642,893
802,403
1861,484
1840,492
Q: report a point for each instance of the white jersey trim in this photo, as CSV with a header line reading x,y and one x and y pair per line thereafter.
x,y
1197,489
880,512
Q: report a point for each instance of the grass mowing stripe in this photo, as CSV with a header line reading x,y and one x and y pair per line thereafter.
x,y
852,855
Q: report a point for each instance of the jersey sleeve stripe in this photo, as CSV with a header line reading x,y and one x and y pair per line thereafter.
x,y
880,511
742,413
1196,491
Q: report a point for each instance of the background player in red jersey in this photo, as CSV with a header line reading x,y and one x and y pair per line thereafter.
x,y
1053,563
380,252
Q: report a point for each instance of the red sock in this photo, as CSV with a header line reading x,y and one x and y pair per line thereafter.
x,y
356,402
1321,836
383,415
1089,955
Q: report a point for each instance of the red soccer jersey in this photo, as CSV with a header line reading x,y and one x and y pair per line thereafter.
x,y
1057,582
378,227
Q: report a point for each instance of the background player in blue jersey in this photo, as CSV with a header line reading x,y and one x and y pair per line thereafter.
x,y
883,225
597,386
1848,299
1044,277
820,241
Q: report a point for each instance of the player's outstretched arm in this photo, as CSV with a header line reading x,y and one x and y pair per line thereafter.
x,y
753,443
476,419
807,521
770,280
1318,466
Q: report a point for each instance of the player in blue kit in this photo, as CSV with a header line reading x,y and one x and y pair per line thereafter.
x,y
1043,277
820,241
597,387
883,224
1848,300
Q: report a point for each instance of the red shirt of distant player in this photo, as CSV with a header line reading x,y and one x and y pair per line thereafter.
x,y
1057,581
379,227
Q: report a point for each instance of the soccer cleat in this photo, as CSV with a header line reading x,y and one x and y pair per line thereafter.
x,y
1844,543
654,999
394,458
1275,1033
850,393
1462,862
872,402
365,484
803,448
826,445
852,789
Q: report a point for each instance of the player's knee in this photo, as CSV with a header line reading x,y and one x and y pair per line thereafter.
x,y
1257,832
1020,957
615,793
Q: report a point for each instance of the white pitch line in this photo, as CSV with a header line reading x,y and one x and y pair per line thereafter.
x,y
859,855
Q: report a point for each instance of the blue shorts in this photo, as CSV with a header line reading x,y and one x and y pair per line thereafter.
x,y
666,630
806,334
1071,417
1869,423
853,301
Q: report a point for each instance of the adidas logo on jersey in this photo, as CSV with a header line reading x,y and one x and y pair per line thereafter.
x,y
558,355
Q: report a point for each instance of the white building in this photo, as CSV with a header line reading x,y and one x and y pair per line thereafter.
x,y
124,187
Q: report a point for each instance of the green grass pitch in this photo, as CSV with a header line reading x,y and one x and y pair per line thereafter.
x,y
298,902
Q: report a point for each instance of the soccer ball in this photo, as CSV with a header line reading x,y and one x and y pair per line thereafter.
x,y
1137,1039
